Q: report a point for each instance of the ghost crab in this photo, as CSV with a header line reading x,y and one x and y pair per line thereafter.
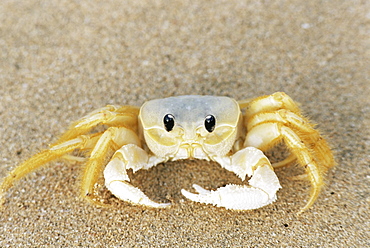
x,y
201,127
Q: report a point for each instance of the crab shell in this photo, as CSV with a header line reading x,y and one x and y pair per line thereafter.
x,y
189,137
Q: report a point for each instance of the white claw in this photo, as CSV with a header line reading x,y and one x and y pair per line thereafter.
x,y
200,190
262,191
117,180
203,195
127,192
237,197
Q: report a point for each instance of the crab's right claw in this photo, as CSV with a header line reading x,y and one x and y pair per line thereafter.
x,y
127,192
117,180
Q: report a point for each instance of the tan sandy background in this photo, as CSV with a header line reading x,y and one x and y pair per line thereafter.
x,y
61,59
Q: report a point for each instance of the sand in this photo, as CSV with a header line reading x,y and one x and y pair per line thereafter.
x,y
60,60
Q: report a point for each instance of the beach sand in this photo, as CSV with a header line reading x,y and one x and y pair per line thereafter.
x,y
59,60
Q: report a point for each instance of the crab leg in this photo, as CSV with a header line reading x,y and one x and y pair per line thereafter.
x,y
265,134
279,107
310,136
262,188
43,157
271,119
112,139
110,115
117,181
276,101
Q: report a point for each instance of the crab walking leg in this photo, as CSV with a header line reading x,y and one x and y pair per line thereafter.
x,y
284,116
124,116
285,162
117,181
42,158
111,139
297,122
270,133
263,183
276,101
302,125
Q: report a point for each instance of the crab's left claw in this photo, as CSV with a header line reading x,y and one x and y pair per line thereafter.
x,y
263,184
237,197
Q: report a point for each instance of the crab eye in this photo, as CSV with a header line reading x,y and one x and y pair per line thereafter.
x,y
210,123
169,122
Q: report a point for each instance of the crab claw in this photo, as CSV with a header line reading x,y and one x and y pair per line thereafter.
x,y
127,192
264,185
237,197
117,181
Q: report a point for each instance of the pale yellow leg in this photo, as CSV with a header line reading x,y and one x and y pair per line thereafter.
x,y
270,119
287,117
278,100
111,140
41,159
77,137
301,126
263,135
124,116
287,161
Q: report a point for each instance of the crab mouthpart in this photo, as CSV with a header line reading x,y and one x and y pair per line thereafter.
x,y
191,150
